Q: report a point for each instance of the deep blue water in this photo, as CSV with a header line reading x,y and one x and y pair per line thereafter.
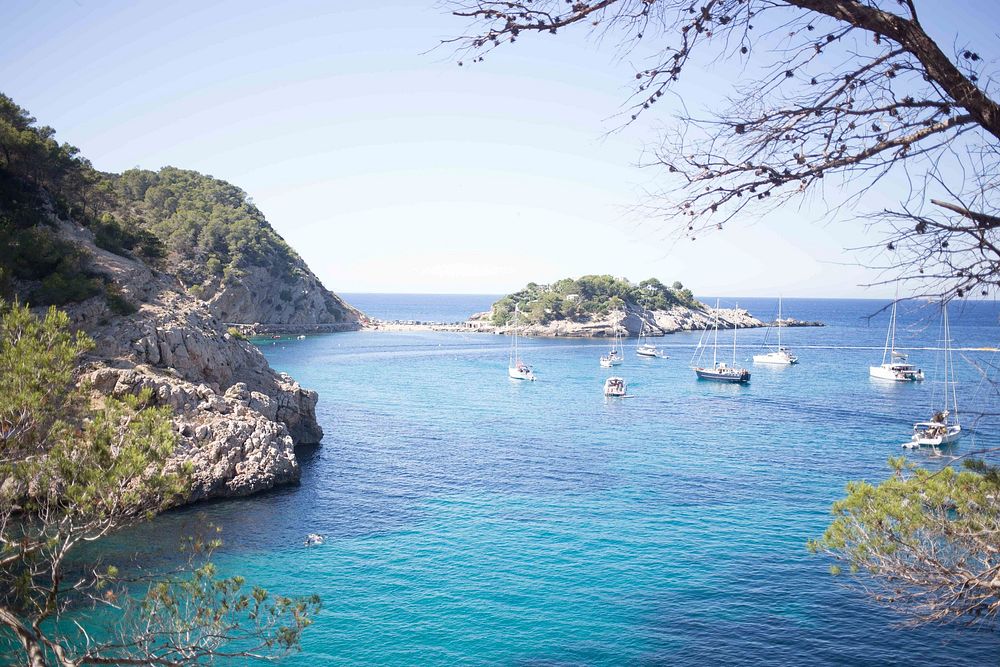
x,y
441,308
474,520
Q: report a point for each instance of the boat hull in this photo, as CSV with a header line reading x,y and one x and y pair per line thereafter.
x,y
775,358
952,435
737,377
895,374
519,374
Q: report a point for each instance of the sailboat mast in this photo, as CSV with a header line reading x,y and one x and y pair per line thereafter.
x,y
779,323
949,370
891,333
734,339
513,349
715,344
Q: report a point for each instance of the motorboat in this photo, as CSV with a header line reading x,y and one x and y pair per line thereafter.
x,y
615,387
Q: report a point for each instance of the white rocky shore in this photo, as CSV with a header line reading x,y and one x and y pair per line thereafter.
x,y
237,420
658,322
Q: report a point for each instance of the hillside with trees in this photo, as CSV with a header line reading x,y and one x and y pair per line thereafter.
x,y
202,229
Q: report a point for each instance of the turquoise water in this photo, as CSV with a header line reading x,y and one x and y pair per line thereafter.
x,y
472,519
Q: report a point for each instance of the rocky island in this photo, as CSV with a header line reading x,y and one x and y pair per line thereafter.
x,y
593,306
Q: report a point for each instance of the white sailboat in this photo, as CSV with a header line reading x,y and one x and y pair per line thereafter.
x,y
720,371
517,369
897,368
615,355
943,427
644,348
780,355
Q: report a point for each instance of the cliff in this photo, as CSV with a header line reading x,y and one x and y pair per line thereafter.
x,y
226,253
151,265
237,420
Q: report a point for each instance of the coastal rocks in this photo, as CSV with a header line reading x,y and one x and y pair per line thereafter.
x,y
176,332
295,301
235,446
237,420
657,322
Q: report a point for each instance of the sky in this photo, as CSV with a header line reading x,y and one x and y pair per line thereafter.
x,y
391,169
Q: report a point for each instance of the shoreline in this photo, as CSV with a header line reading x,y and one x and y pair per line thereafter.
x,y
479,327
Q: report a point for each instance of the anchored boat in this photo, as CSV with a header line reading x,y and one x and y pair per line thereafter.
x,y
517,369
780,355
897,368
720,371
615,387
943,427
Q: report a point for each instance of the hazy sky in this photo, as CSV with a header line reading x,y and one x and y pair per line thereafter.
x,y
392,169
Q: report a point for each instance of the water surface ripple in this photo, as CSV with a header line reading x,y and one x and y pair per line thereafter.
x,y
473,520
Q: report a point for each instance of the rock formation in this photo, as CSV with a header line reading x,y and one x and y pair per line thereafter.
x,y
658,322
237,420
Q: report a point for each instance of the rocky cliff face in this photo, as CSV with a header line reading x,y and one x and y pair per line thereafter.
x,y
237,420
296,301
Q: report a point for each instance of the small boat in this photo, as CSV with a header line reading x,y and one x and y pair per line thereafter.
x,y
897,369
614,357
615,387
644,348
720,371
313,539
517,369
941,429
780,355
302,337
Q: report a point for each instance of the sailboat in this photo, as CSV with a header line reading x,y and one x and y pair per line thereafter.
x,y
644,348
897,368
781,355
943,427
517,369
720,371
615,355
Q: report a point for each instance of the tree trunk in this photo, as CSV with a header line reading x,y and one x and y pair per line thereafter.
x,y
29,641
908,34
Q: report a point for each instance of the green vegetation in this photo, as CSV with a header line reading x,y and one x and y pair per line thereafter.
x,y
72,475
38,175
211,227
926,539
210,223
236,333
587,296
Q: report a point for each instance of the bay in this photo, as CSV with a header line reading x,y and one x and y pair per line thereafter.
x,y
472,519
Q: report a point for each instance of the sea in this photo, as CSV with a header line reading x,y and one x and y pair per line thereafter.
x,y
471,519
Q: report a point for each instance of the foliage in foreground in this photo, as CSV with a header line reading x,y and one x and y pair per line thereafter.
x,y
589,295
72,475
926,543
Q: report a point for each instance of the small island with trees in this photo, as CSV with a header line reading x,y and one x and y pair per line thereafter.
x,y
595,305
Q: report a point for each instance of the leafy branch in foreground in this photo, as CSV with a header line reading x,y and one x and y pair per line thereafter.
x,y
929,542
73,475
